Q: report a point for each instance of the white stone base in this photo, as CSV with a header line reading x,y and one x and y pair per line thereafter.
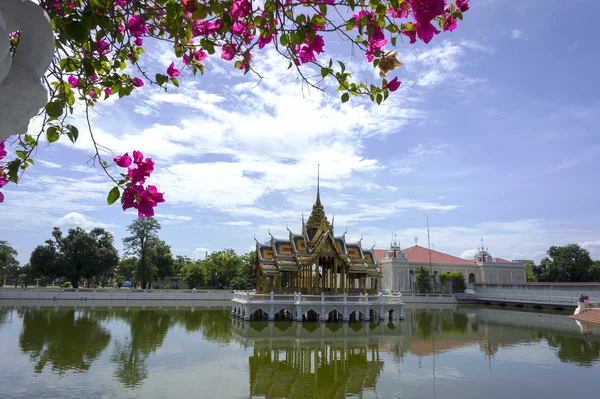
x,y
323,307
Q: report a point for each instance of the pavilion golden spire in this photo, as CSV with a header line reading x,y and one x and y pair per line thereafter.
x,y
318,212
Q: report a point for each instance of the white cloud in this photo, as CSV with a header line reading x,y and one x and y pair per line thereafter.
x,y
169,218
47,164
201,252
591,244
240,223
518,34
74,219
468,254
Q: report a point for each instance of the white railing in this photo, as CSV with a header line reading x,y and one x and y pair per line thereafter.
x,y
512,297
296,298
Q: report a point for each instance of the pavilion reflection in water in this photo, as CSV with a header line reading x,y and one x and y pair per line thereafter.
x,y
317,360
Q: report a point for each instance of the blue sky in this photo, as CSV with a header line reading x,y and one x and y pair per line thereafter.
x,y
493,134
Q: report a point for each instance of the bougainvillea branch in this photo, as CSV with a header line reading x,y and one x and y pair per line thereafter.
x,y
98,41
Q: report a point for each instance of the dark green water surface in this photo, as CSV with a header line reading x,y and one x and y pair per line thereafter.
x,y
49,351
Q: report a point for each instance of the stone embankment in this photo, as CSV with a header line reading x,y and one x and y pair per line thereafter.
x,y
52,294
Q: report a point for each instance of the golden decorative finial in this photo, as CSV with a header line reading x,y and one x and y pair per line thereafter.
x,y
388,62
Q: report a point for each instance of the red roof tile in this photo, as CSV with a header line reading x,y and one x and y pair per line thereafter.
x,y
421,255
500,260
379,254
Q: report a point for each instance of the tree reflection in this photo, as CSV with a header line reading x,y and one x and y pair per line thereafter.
x,y
3,315
575,349
215,325
148,329
67,339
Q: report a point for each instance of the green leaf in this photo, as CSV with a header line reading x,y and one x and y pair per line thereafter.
x,y
350,23
13,170
284,40
76,30
381,9
238,64
161,79
342,66
52,134
351,3
113,195
345,97
72,133
324,72
175,82
54,109
393,40
21,154
319,20
379,98
323,8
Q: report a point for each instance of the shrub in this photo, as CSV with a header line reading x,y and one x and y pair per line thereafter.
x,y
67,285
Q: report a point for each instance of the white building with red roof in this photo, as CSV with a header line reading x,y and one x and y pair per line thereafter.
x,y
398,265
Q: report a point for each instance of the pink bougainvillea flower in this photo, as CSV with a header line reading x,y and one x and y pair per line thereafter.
x,y
73,81
144,169
108,91
121,3
102,47
426,31
426,10
393,84
410,33
201,28
137,82
200,55
449,23
121,28
228,51
400,12
172,71
123,161
91,94
2,149
136,26
240,9
138,41
138,157
128,197
189,5
156,196
94,77
462,5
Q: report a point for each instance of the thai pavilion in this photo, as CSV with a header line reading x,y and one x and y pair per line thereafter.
x,y
315,261
316,276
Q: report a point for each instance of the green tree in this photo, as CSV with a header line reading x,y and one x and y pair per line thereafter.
x,y
179,262
44,261
161,259
8,259
422,280
142,233
221,267
194,274
79,255
570,263
108,256
595,271
127,268
530,272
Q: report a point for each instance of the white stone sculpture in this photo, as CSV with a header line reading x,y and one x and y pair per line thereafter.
x,y
22,94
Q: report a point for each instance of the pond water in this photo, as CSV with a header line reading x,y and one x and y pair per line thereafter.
x,y
168,352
